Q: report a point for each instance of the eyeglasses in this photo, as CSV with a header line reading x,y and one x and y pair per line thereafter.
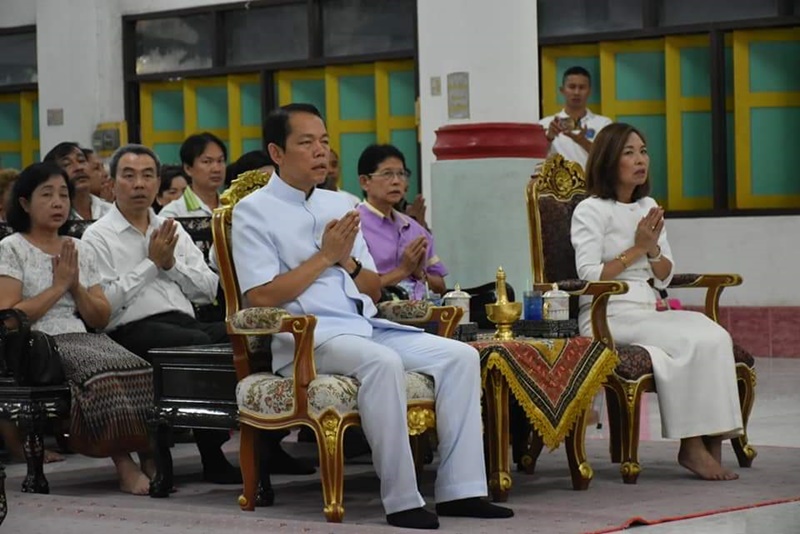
x,y
389,174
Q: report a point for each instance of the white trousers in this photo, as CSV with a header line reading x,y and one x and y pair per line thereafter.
x,y
380,364
693,365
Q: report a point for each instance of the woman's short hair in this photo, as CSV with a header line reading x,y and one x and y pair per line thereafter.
x,y
602,167
29,179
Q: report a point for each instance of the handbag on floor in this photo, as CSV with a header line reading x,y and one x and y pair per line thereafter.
x,y
30,356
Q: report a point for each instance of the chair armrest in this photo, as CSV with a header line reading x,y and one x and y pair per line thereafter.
x,y
420,313
269,321
256,321
714,285
600,291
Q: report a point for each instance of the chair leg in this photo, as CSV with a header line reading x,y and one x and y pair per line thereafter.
x,y
496,435
3,503
575,445
330,438
613,406
249,462
746,376
630,467
31,425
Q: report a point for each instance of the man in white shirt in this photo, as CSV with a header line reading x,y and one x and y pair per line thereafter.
x,y
571,131
152,272
203,157
71,157
299,248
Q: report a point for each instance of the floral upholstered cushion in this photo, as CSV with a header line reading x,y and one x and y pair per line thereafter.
x,y
403,310
270,395
261,319
635,362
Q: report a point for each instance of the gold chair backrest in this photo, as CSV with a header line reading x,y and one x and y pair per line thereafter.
x,y
551,195
243,185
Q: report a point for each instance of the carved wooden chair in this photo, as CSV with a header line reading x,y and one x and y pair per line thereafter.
x,y
552,196
324,403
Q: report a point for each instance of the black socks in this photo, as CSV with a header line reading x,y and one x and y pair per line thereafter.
x,y
473,507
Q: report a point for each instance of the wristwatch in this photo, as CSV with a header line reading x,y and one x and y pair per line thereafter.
x,y
356,270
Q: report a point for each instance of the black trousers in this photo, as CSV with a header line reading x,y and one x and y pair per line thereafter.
x,y
175,329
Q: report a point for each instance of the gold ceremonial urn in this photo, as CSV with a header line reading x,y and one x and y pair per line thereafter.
x,y
503,313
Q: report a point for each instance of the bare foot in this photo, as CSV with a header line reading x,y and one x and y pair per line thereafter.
x,y
135,483
714,446
149,467
697,459
52,456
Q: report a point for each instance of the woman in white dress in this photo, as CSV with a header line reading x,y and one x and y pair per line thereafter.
x,y
618,234
55,281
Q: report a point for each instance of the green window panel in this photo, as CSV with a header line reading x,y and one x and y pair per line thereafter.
x,y
406,141
212,107
695,66
251,104
351,147
310,92
640,76
357,97
402,93
696,145
12,160
10,118
250,144
654,128
773,148
590,63
36,120
774,66
168,153
168,111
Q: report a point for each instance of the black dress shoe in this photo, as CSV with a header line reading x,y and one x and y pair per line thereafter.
x,y
418,518
473,507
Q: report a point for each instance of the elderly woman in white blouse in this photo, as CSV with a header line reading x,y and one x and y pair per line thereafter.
x,y
618,234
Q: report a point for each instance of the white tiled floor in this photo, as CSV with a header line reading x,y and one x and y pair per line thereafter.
x,y
775,421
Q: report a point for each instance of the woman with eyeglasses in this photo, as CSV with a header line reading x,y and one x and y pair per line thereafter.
x,y
403,250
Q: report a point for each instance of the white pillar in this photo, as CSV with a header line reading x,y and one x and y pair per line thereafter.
x,y
477,204
79,53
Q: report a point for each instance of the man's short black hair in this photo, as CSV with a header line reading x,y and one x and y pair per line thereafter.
x,y
62,149
194,146
576,70
374,155
276,126
253,160
29,179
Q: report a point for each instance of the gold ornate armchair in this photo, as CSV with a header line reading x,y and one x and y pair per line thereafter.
x,y
552,196
325,403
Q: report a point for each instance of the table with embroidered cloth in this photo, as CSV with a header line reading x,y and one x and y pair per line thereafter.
x,y
554,381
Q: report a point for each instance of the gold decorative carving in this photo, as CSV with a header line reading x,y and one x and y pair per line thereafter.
x,y
330,429
561,178
420,419
630,470
586,471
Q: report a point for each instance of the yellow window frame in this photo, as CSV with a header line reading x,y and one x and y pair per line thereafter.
x,y
27,144
678,104
550,57
744,102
